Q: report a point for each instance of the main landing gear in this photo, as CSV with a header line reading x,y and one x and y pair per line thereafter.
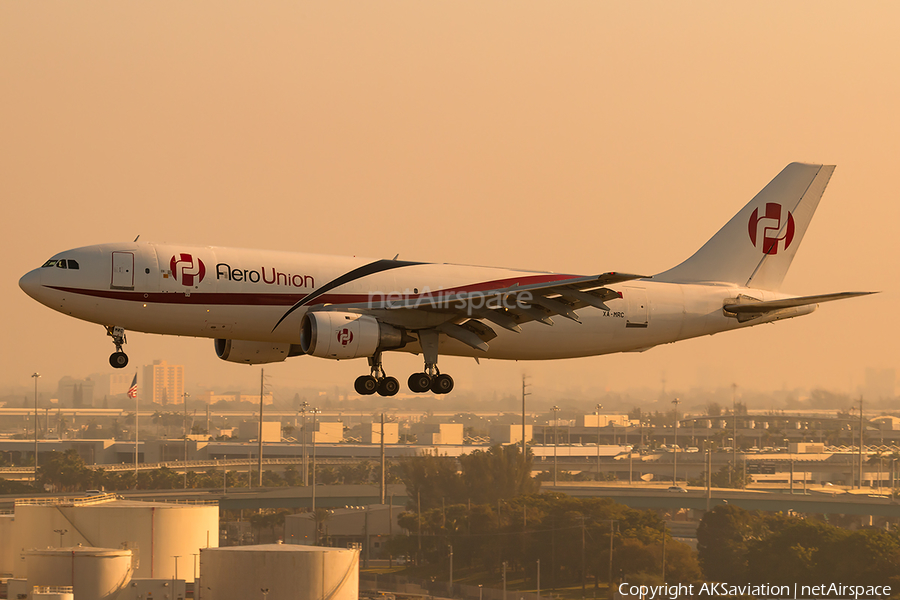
x,y
117,359
377,381
431,379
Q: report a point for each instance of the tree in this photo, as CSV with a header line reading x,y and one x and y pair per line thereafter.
x,y
485,477
500,472
722,538
713,409
65,471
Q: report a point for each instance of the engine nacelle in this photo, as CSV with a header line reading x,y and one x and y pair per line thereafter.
x,y
338,335
254,353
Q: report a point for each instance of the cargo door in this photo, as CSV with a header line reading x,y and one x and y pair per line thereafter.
x,y
638,309
122,271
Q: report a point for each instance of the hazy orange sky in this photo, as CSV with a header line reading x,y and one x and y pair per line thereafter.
x,y
568,136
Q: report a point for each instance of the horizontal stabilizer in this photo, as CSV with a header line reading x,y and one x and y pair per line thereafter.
x,y
771,305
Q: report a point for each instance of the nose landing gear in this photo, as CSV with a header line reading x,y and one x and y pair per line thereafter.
x,y
117,359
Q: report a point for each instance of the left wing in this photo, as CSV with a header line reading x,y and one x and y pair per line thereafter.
x,y
463,315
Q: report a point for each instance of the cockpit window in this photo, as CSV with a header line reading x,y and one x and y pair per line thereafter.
x,y
61,263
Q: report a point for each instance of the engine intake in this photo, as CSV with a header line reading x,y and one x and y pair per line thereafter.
x,y
254,353
340,335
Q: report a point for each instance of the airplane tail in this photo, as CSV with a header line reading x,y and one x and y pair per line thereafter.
x,y
756,247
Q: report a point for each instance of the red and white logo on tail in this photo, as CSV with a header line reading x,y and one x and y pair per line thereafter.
x,y
185,268
768,226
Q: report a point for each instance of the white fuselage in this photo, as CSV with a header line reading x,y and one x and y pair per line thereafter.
x,y
242,294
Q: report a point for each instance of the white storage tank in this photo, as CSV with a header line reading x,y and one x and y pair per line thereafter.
x,y
287,571
155,531
92,573
7,555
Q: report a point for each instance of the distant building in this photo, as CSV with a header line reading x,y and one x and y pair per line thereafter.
x,y
371,433
509,434
327,432
450,434
887,423
162,383
880,384
249,431
375,523
211,397
606,420
111,384
76,393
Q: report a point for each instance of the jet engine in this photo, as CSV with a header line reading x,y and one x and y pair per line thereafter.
x,y
255,353
338,335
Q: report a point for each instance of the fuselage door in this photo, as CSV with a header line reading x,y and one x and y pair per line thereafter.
x,y
638,307
122,271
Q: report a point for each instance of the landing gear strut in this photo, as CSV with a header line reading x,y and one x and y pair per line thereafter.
x,y
117,359
431,379
377,381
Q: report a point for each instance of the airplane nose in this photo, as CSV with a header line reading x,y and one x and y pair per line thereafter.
x,y
31,283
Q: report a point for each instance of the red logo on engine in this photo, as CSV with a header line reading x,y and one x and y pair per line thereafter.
x,y
345,336
774,228
185,268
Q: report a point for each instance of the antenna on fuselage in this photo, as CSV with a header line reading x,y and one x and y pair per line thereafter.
x,y
138,237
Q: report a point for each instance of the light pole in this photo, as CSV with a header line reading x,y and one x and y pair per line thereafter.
x,y
61,533
315,412
675,402
305,459
599,408
555,410
733,428
451,569
184,429
36,376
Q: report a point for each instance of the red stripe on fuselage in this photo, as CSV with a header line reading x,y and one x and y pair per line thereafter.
x,y
255,299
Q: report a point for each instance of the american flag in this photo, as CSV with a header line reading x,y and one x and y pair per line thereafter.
x,y
132,391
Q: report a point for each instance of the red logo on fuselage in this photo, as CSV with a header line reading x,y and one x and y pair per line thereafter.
x,y
774,228
344,336
186,269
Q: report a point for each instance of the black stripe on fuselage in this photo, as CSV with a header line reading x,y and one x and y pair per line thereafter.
x,y
370,269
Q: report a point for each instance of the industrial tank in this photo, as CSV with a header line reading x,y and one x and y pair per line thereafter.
x,y
285,571
7,560
93,573
155,531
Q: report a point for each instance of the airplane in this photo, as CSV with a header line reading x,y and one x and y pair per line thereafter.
x,y
264,306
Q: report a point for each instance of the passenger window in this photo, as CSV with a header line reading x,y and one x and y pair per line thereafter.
x,y
73,264
61,264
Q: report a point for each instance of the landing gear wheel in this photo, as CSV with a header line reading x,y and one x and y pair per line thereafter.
x,y
442,384
118,360
388,386
365,385
419,382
